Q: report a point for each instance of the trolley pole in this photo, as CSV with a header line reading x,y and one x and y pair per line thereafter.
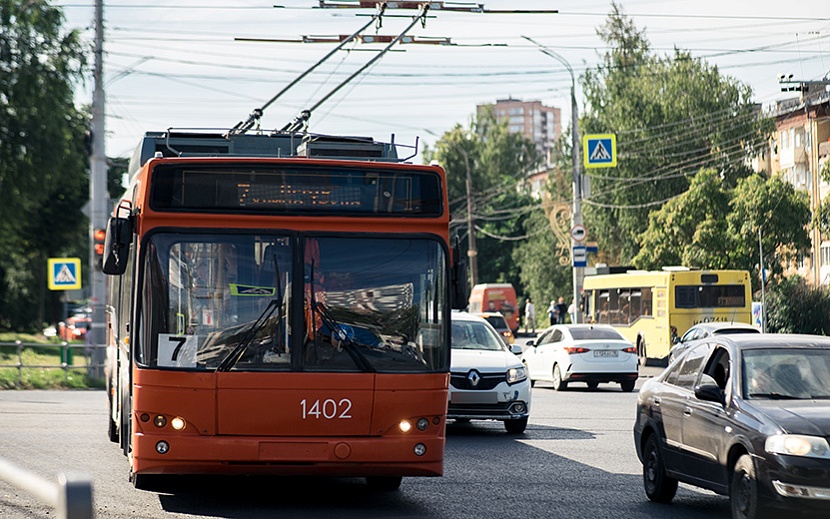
x,y
98,199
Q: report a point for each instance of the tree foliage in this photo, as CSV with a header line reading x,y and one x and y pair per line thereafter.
x,y
795,307
497,162
672,115
713,226
43,170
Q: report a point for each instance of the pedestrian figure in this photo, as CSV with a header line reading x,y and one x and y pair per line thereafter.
x,y
530,316
552,313
572,312
561,310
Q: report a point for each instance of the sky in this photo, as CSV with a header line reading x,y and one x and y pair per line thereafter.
x,y
181,63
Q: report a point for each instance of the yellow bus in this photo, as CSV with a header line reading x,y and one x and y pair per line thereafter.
x,y
653,309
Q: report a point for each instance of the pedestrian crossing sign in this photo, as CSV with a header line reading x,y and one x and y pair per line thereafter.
x,y
600,150
64,273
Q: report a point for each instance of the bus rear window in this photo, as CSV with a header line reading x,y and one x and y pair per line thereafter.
x,y
271,189
710,296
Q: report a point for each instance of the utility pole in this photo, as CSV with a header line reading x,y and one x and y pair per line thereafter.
x,y
472,252
576,217
763,282
98,201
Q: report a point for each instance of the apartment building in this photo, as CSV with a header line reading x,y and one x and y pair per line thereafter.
x,y
799,148
539,123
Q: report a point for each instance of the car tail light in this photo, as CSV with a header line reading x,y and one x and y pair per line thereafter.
x,y
630,349
574,349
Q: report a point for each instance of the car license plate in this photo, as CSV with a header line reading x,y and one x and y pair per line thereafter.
x,y
605,353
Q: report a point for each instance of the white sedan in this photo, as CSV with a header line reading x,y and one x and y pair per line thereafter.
x,y
590,353
487,380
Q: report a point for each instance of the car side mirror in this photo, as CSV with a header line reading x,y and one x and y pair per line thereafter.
x,y
530,344
710,393
516,349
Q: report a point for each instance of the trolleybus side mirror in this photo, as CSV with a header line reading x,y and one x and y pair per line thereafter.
x,y
117,245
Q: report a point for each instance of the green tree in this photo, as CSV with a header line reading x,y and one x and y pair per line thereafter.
x,y
713,226
672,116
43,171
497,162
795,307
544,273
783,215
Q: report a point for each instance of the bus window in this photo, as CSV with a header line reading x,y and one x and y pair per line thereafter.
x,y
602,305
710,296
646,301
634,305
614,306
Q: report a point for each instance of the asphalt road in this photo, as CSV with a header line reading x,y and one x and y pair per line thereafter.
x,y
575,460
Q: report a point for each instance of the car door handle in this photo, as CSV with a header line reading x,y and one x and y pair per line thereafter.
x,y
687,411
657,401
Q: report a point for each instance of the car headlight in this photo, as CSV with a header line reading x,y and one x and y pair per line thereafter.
x,y
798,445
516,375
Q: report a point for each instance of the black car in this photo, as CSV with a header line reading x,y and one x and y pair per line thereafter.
x,y
746,416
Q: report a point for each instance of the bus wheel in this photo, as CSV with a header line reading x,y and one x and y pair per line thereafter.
x,y
113,430
641,352
384,483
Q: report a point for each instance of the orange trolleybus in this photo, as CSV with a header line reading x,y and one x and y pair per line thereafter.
x,y
279,304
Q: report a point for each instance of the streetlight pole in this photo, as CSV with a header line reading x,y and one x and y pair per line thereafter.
x,y
576,217
98,200
472,252
763,282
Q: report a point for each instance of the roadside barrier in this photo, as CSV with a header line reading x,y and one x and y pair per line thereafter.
x,y
91,357
71,496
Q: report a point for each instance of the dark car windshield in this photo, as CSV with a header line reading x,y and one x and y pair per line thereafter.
x,y
496,321
587,333
786,373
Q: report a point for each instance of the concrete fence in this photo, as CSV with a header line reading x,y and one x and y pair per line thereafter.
x,y
71,496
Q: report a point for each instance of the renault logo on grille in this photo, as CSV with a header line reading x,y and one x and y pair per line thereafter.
x,y
473,377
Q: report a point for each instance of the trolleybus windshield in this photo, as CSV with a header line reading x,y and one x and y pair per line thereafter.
x,y
217,301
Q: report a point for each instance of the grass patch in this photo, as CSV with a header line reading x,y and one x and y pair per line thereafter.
x,y
45,367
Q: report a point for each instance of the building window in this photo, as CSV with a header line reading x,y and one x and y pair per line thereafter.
x,y
785,139
825,254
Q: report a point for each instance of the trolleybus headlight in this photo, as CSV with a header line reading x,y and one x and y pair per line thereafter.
x,y
162,447
405,426
420,449
160,421
177,423
422,424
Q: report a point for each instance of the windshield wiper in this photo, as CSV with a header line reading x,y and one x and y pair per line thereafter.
x,y
236,354
775,396
350,345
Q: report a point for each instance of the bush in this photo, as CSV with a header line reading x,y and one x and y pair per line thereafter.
x,y
795,307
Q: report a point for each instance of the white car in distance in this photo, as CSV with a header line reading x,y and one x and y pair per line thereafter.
x,y
487,379
589,353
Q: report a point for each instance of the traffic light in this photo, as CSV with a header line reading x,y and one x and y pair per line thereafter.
x,y
98,237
